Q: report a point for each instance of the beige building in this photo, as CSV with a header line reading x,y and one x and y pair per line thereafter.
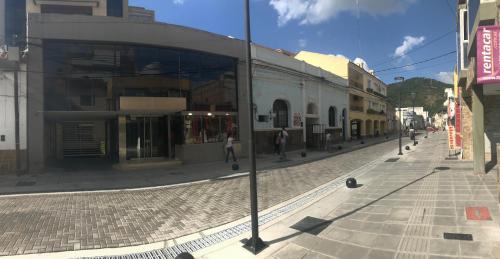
x,y
368,104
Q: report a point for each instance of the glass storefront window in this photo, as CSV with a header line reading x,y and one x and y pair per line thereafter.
x,y
209,129
207,81
93,77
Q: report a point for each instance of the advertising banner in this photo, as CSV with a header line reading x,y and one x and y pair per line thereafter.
x,y
451,137
488,55
458,122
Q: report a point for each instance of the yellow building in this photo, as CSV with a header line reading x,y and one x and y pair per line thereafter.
x,y
367,94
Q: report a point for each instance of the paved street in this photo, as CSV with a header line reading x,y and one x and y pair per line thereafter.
x,y
403,211
78,176
50,223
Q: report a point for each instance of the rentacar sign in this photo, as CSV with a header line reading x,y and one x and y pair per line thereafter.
x,y
488,53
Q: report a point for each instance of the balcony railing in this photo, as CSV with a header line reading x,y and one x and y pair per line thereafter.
x,y
372,111
353,83
357,108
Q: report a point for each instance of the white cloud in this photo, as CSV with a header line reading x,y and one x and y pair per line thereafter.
x,y
318,11
445,77
339,56
361,62
409,43
302,43
179,2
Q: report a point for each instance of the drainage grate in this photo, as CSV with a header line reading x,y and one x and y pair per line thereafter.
x,y
226,234
458,236
391,160
25,183
311,225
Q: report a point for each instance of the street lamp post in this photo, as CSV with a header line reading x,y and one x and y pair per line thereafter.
x,y
413,121
254,244
401,80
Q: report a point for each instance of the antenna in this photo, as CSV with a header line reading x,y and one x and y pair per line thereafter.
x,y
359,28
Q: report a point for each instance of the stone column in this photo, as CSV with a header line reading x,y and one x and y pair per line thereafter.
x,y
478,129
498,170
122,138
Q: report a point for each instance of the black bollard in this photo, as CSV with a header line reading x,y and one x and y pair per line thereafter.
x,y
351,183
303,154
184,255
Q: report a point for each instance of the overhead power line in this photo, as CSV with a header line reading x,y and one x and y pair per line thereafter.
x,y
434,40
416,63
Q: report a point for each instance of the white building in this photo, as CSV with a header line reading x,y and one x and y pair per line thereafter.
x,y
307,100
7,110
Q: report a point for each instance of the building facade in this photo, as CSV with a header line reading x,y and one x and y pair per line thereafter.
x,y
106,83
477,21
308,101
367,94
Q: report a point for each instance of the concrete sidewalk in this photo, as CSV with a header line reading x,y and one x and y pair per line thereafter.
x,y
112,179
402,210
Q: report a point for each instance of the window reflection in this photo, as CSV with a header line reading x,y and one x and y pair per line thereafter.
x,y
93,77
209,128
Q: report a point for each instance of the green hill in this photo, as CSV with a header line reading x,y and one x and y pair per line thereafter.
x,y
430,93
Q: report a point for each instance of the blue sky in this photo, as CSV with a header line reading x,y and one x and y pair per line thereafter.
x,y
383,33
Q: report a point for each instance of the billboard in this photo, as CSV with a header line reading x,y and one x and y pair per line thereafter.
x,y
488,53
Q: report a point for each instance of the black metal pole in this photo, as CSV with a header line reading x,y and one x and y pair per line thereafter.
x,y
414,121
255,244
401,79
16,115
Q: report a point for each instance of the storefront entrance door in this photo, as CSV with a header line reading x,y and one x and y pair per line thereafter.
x,y
146,137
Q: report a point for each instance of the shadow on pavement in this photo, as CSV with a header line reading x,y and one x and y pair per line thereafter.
x,y
316,229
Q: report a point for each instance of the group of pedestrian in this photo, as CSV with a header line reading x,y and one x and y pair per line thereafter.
x,y
280,140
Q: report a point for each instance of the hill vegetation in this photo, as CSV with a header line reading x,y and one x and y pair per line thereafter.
x,y
429,93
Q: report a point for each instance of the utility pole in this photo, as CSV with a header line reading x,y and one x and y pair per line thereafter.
x,y
254,244
413,95
16,115
401,80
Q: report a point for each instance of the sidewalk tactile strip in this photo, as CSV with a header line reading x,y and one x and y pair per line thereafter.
x,y
229,233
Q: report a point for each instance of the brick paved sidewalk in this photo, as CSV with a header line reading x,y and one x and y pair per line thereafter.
x,y
108,178
403,211
51,223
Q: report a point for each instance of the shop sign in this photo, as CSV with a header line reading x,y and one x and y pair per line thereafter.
x,y
297,119
458,122
488,55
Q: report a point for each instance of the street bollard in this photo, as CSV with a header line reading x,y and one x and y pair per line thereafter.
x,y
184,255
303,154
351,183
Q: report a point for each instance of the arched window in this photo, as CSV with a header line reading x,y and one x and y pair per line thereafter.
x,y
280,109
332,116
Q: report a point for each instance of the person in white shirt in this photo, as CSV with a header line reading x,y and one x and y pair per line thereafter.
x,y
229,147
284,138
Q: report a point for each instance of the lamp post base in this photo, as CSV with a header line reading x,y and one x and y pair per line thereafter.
x,y
256,248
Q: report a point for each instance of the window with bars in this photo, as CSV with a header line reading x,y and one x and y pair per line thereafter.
x,y
280,109
332,116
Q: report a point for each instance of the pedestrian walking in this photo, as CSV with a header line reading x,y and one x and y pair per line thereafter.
x,y
230,148
277,142
328,141
283,140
